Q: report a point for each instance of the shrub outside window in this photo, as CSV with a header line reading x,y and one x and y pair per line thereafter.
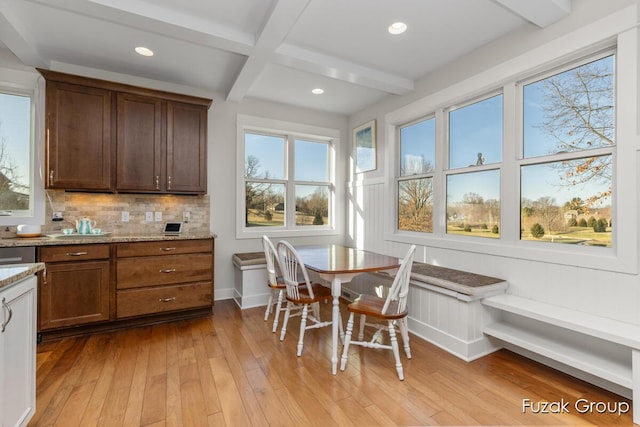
x,y
566,170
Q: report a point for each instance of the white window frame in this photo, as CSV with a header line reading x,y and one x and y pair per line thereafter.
x,y
24,84
291,132
617,31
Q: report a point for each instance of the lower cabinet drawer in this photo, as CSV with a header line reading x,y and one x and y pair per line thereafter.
x,y
140,272
160,299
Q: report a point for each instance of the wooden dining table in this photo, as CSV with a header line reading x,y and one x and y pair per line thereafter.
x,y
338,264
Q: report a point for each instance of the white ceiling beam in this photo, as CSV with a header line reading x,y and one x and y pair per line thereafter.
x,y
539,12
313,62
13,37
146,16
278,23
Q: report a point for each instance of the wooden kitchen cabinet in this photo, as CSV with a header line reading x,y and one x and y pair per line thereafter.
x,y
186,148
159,277
78,137
75,288
139,143
106,136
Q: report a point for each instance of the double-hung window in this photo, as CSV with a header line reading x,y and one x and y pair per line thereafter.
x,y
473,175
417,167
568,147
17,187
288,181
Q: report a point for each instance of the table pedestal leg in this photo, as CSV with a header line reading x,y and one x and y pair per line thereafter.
x,y
335,318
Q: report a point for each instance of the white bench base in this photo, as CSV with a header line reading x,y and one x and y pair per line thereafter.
x,y
601,351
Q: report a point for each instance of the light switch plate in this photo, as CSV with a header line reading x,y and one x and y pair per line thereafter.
x,y
125,216
148,216
158,216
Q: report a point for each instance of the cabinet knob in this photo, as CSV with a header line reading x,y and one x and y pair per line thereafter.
x,y
169,183
51,177
157,182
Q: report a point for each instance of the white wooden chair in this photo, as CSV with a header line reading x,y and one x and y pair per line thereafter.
x,y
303,294
275,282
392,311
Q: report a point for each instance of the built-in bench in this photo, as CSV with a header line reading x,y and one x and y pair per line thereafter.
x,y
602,351
445,307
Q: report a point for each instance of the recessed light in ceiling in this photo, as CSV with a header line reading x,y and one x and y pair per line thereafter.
x,y
397,28
317,91
144,51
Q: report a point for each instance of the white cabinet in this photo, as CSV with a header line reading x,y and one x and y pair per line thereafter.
x,y
18,352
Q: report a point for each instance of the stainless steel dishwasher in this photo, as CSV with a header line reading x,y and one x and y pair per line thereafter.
x,y
17,255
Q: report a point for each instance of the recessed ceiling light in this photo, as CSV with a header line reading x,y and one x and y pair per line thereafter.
x,y
144,51
317,91
397,28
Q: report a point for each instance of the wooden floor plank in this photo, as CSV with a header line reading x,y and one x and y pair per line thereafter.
x,y
229,369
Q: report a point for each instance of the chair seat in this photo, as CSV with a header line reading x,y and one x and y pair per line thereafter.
x,y
279,283
371,305
320,293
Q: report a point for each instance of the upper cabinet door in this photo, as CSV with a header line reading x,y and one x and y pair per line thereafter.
x,y
78,136
139,144
186,148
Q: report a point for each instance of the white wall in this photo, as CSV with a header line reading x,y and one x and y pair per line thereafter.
x,y
612,289
222,172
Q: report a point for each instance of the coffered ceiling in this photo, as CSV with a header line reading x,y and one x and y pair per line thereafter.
x,y
277,50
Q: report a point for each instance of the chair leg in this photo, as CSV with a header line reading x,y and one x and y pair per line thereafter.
x,y
396,351
278,308
303,327
363,320
268,310
347,341
283,331
404,331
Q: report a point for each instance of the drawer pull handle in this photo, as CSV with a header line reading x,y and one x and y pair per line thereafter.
x,y
76,253
167,249
168,270
7,307
167,299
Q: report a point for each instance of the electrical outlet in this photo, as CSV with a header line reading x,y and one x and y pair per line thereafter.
x,y
125,216
186,216
158,216
148,216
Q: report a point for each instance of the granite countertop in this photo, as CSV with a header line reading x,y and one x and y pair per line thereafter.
x,y
57,239
10,274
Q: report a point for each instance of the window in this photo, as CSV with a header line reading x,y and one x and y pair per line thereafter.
x,y
475,142
566,169
560,171
415,184
16,159
288,184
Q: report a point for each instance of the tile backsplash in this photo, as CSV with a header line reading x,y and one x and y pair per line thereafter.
x,y
106,210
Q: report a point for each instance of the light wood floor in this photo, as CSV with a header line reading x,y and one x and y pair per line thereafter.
x,y
229,369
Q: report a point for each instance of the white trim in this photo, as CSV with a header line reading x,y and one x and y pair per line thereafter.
x,y
620,27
